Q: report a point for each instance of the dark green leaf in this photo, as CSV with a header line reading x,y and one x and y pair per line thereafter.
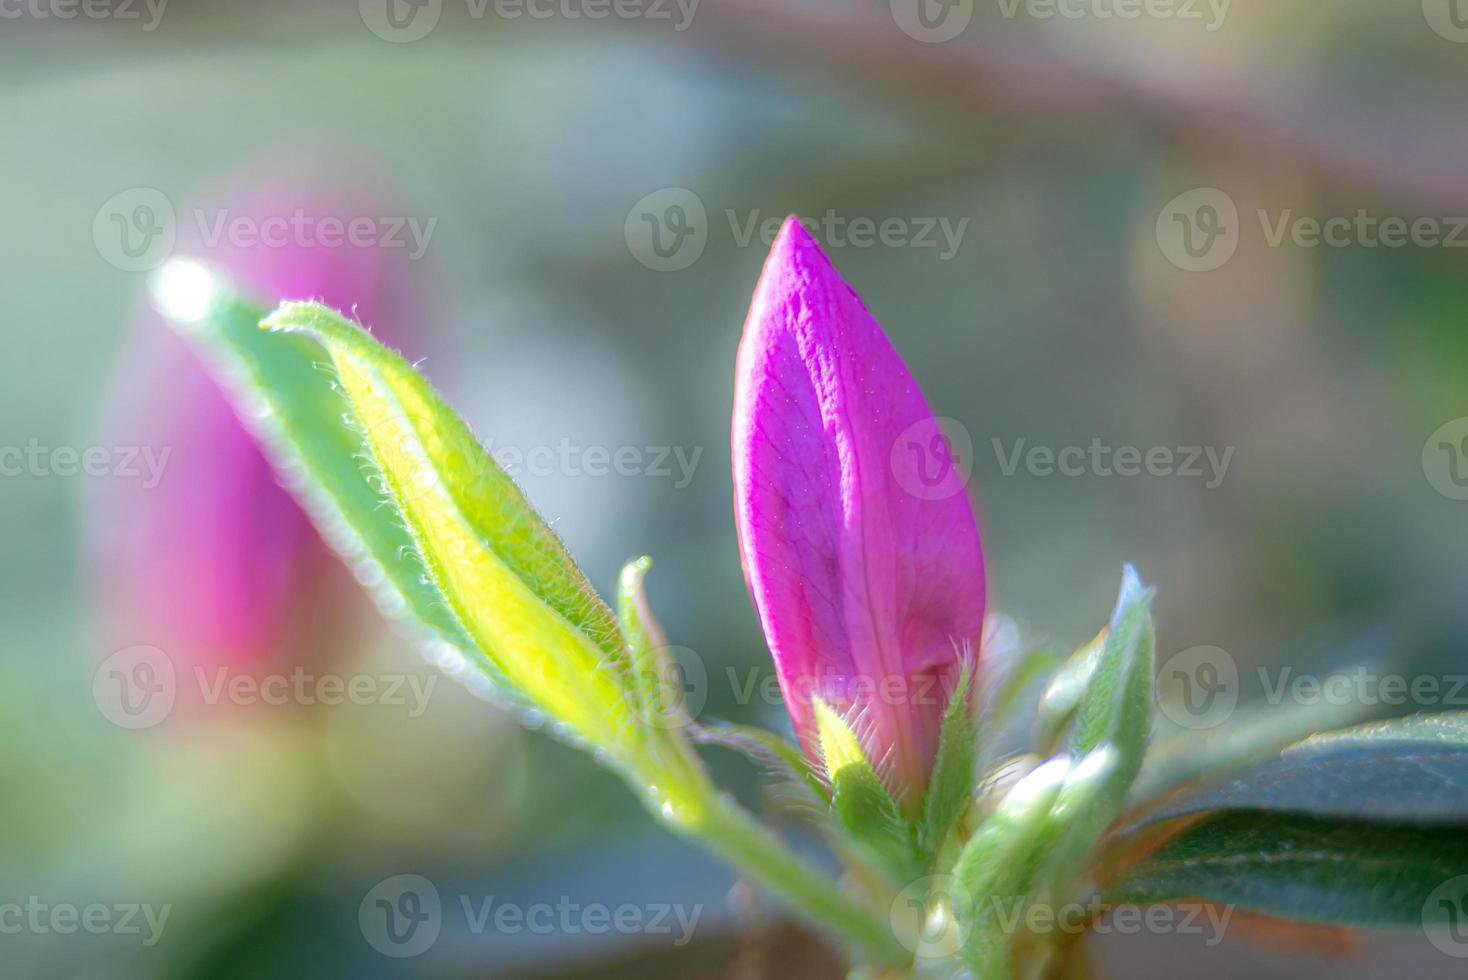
x,y
1301,868
1254,734
1411,770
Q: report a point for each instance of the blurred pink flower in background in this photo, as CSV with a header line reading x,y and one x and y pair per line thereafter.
x,y
212,563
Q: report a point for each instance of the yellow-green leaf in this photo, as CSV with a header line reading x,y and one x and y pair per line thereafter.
x,y
501,570
861,801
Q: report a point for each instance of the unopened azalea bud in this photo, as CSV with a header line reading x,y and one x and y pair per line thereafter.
x,y
869,584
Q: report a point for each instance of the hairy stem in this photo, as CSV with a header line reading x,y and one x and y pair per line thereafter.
x,y
698,810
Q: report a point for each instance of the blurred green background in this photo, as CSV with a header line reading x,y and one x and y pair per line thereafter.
x,y
1063,313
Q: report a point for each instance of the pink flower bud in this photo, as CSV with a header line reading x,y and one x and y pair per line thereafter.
x,y
866,572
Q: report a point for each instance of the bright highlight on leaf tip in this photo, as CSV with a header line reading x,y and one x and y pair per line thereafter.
x,y
1045,779
183,290
1092,765
838,743
276,322
1131,590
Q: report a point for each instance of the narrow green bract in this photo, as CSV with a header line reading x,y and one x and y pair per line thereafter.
x,y
651,667
1116,708
952,784
863,804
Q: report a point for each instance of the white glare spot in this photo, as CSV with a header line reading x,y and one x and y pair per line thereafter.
x,y
183,290
1093,765
1045,779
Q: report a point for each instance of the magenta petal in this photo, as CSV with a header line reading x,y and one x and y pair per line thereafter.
x,y
868,579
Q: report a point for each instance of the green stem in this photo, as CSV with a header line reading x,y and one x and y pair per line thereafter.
x,y
738,838
697,809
